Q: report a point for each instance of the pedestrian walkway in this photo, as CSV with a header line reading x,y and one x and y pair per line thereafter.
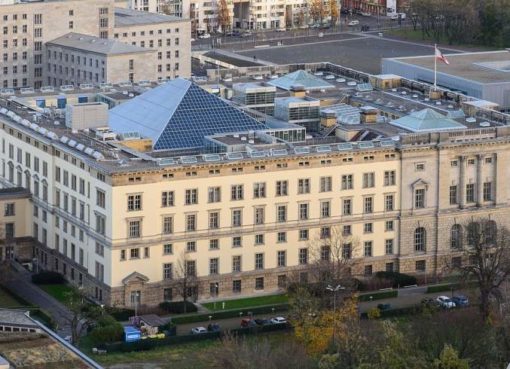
x,y
20,284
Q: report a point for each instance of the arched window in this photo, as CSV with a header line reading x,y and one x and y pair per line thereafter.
x,y
491,230
473,234
456,236
420,239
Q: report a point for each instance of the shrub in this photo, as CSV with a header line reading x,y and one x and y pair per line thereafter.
x,y
178,307
120,314
374,313
397,279
48,278
112,332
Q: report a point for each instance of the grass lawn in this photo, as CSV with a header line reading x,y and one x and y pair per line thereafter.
x,y
193,355
248,302
8,300
58,291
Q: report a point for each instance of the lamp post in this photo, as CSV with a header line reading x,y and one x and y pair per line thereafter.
x,y
335,291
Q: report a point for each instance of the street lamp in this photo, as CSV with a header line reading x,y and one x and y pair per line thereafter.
x,y
335,291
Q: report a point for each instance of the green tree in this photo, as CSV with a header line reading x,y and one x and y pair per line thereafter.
x,y
449,359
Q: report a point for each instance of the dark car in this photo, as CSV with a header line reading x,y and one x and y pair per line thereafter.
x,y
263,321
429,302
384,307
460,300
213,327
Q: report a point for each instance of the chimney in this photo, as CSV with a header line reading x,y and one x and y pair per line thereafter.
x,y
297,91
368,115
328,118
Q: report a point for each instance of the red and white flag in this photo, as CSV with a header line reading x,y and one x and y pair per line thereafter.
x,y
440,56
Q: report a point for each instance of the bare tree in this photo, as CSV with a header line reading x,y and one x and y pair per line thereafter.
x,y
223,15
487,251
186,278
333,255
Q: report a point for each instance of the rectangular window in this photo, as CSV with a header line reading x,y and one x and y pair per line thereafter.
x,y
368,205
367,248
347,207
214,244
214,266
9,209
368,227
347,182
281,258
134,229
453,195
326,184
134,253
389,178
237,218
168,225
259,261
191,268
303,211
134,202
368,180
236,286
237,241
259,283
281,237
419,198
303,256
191,197
470,192
168,249
259,190
236,264
191,222
389,203
303,234
325,209
325,232
259,215
214,194
259,239
487,191
281,213
191,246
167,199
347,230
100,197
388,246
421,265
325,253
167,271
388,226
237,192
282,188
303,186
214,220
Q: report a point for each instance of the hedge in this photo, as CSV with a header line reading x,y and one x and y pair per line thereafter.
x,y
378,295
149,343
46,277
397,279
391,313
120,314
178,307
230,314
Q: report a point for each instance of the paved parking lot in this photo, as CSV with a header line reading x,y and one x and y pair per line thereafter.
x,y
357,51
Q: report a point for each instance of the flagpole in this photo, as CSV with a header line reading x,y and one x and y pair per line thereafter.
x,y
435,67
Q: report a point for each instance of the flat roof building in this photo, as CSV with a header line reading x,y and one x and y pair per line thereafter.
x,y
484,75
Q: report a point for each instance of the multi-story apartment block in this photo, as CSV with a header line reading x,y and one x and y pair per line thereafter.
x,y
15,223
243,206
76,59
27,27
169,36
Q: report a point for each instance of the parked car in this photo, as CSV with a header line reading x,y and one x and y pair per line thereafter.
x,y
366,14
460,300
213,327
246,34
384,307
393,16
205,35
234,33
279,320
445,302
429,302
198,330
354,22
247,322
281,30
263,321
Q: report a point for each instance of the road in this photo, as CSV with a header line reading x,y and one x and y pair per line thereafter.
x,y
407,297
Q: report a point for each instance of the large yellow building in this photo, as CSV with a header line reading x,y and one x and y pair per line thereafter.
x,y
243,209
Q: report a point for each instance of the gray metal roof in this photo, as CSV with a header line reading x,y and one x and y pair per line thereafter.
x,y
96,45
129,17
301,78
427,120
